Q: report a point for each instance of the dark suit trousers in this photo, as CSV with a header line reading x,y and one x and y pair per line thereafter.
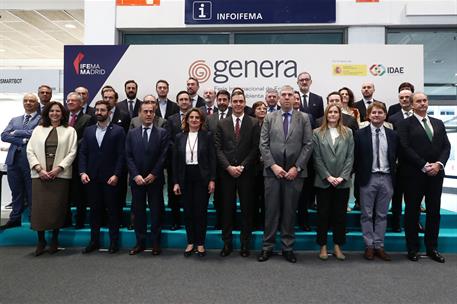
x,y
259,200
415,189
307,196
77,196
331,212
244,186
195,203
281,200
20,184
397,201
173,200
151,195
103,197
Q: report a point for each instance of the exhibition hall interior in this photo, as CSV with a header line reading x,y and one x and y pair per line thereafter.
x,y
248,220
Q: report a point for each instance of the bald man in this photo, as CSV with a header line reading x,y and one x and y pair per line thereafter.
x,y
18,133
362,105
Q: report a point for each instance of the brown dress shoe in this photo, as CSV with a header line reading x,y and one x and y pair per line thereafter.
x,y
40,248
369,253
380,253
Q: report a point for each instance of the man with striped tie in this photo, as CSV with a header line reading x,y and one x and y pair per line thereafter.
x,y
18,133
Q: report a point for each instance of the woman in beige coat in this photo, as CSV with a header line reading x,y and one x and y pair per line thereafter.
x,y
333,159
50,152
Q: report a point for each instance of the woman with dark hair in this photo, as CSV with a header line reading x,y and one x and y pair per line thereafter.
x,y
260,111
347,102
50,152
194,164
333,159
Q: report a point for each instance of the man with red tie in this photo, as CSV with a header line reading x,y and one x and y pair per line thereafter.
x,y
209,95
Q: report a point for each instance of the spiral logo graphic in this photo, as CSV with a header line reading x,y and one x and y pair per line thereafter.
x,y
377,70
199,70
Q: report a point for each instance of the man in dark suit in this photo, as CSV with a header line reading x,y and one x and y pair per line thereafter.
x,y
286,146
223,102
45,96
166,107
209,95
86,108
101,163
375,157
397,107
367,93
311,103
131,104
175,123
348,120
395,119
146,152
271,97
79,121
157,121
18,133
425,151
192,88
237,141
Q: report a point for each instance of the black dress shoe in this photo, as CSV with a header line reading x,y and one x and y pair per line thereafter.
x,y
10,224
175,227
40,248
91,248
53,248
188,253
436,256
227,250
264,256
113,248
135,250
413,256
289,256
156,250
356,207
244,252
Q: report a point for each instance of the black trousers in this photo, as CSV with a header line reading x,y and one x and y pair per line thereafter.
x,y
195,203
243,185
259,200
416,188
103,197
331,212
173,200
307,195
397,201
150,195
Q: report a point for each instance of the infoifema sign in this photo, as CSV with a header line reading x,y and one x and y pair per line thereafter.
x,y
254,68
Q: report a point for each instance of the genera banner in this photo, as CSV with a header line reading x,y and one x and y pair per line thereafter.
x,y
255,68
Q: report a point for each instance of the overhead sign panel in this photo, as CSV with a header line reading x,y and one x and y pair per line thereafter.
x,y
259,11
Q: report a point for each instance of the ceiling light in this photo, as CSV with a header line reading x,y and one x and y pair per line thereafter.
x,y
70,26
2,50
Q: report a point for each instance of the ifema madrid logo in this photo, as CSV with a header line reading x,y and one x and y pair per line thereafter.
x,y
377,69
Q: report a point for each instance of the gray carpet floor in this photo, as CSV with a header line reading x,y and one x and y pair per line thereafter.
x,y
70,277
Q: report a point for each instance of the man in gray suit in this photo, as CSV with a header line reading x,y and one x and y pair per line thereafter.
x,y
286,146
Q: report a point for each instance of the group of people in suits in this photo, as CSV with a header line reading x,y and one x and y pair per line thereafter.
x,y
283,154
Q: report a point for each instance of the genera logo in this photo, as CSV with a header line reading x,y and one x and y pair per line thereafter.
x,y
222,71
86,68
379,69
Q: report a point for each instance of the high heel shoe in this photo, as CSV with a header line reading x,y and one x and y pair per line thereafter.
x,y
188,252
201,253
338,253
323,254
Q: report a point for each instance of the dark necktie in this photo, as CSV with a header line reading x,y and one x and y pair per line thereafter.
x,y
285,123
72,119
428,131
209,111
237,129
272,109
131,108
183,118
145,137
378,161
26,120
305,103
222,116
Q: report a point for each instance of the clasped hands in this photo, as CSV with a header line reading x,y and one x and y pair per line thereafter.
x,y
334,181
51,175
140,181
281,173
432,169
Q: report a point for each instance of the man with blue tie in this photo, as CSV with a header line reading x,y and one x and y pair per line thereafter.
x,y
375,156
18,133
146,152
425,151
271,97
101,163
286,146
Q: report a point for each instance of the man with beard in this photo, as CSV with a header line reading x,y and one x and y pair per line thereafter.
x,y
166,107
311,103
192,88
363,104
209,95
131,104
101,163
86,108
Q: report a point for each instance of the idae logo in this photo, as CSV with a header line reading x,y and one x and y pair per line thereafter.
x,y
379,70
86,68
223,71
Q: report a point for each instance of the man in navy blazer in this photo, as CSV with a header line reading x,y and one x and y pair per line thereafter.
x,y
101,163
17,133
375,156
146,152
311,103
425,151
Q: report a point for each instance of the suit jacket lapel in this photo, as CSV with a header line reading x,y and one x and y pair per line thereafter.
x,y
293,123
329,140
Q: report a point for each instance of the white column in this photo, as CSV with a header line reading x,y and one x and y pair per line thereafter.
x,y
100,22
